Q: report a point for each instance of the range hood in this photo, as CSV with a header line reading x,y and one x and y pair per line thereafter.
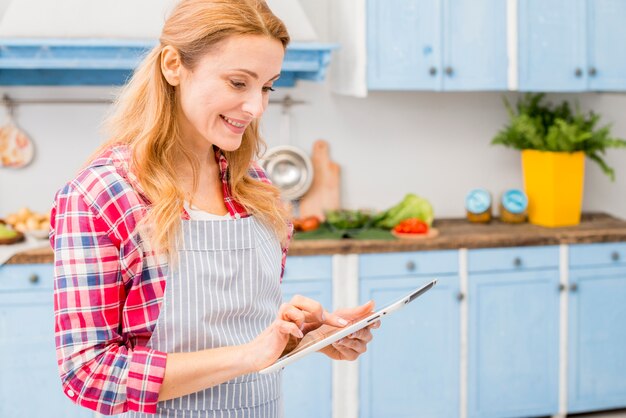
x,y
89,42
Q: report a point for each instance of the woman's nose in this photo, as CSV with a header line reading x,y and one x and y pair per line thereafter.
x,y
255,104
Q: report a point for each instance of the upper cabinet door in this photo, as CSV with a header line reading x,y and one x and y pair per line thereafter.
x,y
606,32
475,38
404,45
552,45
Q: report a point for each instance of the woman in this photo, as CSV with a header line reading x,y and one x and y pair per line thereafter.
x,y
170,244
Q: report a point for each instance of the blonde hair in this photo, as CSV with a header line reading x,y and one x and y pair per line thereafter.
x,y
144,117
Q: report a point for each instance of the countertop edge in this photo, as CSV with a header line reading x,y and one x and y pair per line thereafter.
x,y
454,234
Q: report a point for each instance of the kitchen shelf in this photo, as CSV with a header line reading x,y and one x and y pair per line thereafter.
x,y
100,62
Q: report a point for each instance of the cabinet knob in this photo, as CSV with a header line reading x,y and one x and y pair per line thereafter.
x,y
33,278
561,287
573,287
449,71
593,71
411,266
432,71
578,72
460,296
517,262
615,256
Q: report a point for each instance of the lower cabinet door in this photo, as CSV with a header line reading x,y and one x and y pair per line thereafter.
x,y
29,379
597,339
307,383
513,334
411,368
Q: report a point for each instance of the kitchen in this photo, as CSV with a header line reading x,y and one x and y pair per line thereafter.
x,y
437,143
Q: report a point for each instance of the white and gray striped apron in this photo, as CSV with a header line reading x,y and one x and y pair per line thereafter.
x,y
224,291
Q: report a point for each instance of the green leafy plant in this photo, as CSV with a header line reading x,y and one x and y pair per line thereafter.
x,y
544,127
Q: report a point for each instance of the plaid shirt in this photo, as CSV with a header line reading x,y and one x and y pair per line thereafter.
x,y
109,286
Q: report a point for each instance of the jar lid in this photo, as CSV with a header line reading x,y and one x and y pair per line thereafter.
x,y
515,201
478,201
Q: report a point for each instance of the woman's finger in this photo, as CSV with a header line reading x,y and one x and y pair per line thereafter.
x,y
364,335
357,312
291,313
346,352
288,328
357,346
313,310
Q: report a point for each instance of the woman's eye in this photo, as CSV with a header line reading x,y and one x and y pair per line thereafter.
x,y
267,89
238,84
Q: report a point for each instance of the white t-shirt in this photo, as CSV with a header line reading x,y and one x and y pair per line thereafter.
x,y
201,215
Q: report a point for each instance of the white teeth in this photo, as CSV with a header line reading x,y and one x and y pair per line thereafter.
x,y
232,122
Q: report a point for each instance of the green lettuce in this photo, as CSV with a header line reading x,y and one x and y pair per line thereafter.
x,y
412,206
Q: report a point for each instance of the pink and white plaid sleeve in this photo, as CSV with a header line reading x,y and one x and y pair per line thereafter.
x,y
100,366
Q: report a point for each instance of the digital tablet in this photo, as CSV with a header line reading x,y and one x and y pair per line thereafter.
x,y
325,335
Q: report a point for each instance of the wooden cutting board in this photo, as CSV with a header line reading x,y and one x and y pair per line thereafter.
x,y
324,193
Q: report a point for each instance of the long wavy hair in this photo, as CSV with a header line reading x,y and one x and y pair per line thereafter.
x,y
145,117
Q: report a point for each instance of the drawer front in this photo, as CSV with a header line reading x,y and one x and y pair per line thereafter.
x,y
602,254
26,277
309,267
408,264
513,259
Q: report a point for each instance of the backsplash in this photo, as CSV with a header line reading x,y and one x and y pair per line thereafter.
x,y
391,143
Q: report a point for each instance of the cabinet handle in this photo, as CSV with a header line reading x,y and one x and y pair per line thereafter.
x,y
578,73
449,71
593,71
517,262
432,71
561,287
573,287
460,296
615,256
411,266
33,278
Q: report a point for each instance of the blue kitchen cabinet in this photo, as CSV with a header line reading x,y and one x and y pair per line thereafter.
x,y
29,379
404,44
596,334
436,45
606,66
513,332
475,54
411,369
569,45
307,384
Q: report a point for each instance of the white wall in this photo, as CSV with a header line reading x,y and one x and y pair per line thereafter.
x,y
432,144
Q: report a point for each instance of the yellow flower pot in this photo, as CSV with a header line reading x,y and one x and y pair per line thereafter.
x,y
553,182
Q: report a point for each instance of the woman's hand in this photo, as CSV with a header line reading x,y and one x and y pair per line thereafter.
x,y
355,344
295,318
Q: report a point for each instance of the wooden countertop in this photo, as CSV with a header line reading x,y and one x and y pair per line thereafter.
x,y
453,234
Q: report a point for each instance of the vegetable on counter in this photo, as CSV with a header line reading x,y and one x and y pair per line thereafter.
x,y
9,235
412,206
348,219
310,223
412,226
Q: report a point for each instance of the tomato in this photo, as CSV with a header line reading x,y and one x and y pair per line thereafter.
x,y
311,223
412,226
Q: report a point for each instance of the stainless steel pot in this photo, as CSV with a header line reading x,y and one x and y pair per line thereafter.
x,y
290,169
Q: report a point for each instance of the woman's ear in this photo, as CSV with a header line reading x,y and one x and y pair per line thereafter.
x,y
171,65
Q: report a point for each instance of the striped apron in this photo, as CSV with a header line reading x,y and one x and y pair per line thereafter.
x,y
224,291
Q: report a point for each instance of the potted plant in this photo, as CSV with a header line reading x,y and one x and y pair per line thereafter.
x,y
554,141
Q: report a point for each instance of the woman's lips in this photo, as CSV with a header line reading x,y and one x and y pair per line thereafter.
x,y
235,125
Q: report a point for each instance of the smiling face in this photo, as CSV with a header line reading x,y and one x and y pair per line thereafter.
x,y
225,90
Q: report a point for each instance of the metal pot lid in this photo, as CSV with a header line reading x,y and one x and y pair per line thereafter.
x,y
290,169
